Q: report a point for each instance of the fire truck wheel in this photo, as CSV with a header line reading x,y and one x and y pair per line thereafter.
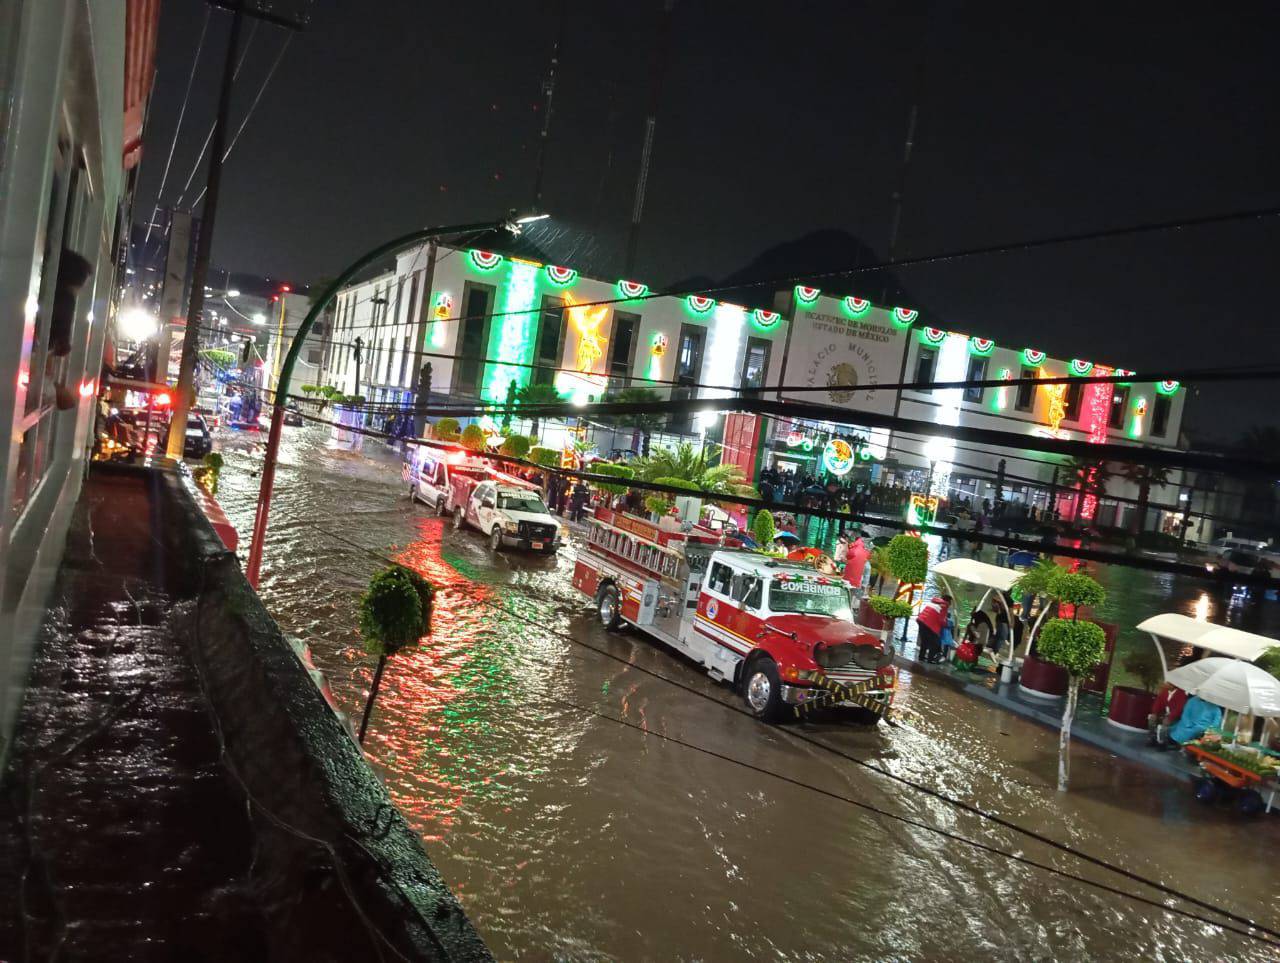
x,y
609,607
863,716
413,492
495,538
457,518
440,506
762,690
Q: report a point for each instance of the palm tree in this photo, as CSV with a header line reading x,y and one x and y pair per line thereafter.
x,y
690,464
646,423
1144,476
536,394
1091,475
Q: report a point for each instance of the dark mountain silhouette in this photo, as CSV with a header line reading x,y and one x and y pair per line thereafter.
x,y
811,259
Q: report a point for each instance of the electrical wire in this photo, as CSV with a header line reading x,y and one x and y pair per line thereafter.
x,y
1264,934
1122,559
244,122
182,112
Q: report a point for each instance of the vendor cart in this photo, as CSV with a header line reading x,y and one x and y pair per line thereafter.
x,y
1252,792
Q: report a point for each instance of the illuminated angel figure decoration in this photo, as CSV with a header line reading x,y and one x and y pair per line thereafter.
x,y
587,322
1057,395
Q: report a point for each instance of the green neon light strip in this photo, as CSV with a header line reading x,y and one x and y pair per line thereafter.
x,y
513,331
632,289
982,347
1032,358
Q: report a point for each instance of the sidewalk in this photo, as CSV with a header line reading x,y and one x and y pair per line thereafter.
x,y
1090,724
177,787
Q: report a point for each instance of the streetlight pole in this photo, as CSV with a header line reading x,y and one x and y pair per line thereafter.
x,y
254,565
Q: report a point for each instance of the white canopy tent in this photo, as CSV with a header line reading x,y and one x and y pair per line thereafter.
x,y
996,579
1232,643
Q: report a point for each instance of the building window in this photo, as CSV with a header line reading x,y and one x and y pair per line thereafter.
x,y
688,369
1119,406
1075,392
926,361
977,372
755,365
550,340
1160,409
473,339
1026,399
621,349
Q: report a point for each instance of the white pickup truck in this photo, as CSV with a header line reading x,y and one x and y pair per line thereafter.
x,y
510,514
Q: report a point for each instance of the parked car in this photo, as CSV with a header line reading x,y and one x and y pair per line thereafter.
x,y
199,440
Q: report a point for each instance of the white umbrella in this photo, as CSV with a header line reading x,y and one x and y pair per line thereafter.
x,y
1232,684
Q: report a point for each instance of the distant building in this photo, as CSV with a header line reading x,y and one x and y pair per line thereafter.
x,y
485,321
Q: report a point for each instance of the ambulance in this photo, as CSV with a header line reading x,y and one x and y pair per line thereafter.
x,y
781,633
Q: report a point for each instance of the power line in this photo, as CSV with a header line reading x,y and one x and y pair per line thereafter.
x,y
182,112
986,538
253,106
1004,248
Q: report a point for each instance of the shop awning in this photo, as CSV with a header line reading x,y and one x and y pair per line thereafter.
x,y
1207,635
978,573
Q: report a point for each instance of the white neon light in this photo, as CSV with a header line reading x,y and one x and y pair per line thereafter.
x,y
727,329
953,365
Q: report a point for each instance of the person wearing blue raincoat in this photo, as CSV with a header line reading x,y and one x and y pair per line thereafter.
x,y
1197,716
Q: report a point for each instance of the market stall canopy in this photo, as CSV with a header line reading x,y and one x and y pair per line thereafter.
x,y
1232,684
1207,635
978,573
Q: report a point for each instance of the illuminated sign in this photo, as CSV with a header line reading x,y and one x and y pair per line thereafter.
x,y
922,509
837,457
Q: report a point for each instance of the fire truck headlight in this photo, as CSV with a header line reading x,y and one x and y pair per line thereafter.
x,y
511,526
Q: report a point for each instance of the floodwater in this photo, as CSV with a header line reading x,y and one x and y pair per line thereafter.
x,y
593,796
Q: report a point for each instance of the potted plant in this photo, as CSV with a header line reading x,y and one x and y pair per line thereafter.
x,y
1130,705
879,612
395,612
1074,645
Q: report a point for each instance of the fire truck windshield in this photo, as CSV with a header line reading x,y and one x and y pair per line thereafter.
x,y
522,502
809,597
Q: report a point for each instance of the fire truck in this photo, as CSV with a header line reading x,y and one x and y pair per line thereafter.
x,y
781,633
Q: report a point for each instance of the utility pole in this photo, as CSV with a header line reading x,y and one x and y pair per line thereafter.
x,y
549,89
661,54
182,396
358,344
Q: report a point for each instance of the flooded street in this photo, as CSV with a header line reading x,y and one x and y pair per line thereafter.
x,y
591,795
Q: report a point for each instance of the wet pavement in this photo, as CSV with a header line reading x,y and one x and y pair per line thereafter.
x,y
593,796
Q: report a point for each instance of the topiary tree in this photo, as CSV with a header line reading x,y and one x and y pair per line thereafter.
x,y
614,471
474,438
889,609
446,429
764,529
1074,645
545,457
395,612
515,446
1269,661
907,557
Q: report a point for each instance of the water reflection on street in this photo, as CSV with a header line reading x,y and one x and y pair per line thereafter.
x,y
515,743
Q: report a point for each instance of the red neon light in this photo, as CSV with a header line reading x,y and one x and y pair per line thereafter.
x,y
163,399
87,388
1096,410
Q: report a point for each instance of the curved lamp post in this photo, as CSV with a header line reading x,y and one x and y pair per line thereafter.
x,y
512,223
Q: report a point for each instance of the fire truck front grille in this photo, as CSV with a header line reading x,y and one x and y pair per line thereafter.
x,y
536,531
849,674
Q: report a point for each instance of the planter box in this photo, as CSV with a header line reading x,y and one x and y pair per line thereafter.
x,y
871,619
1044,680
1130,708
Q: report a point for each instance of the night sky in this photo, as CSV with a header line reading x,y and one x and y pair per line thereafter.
x,y
777,120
